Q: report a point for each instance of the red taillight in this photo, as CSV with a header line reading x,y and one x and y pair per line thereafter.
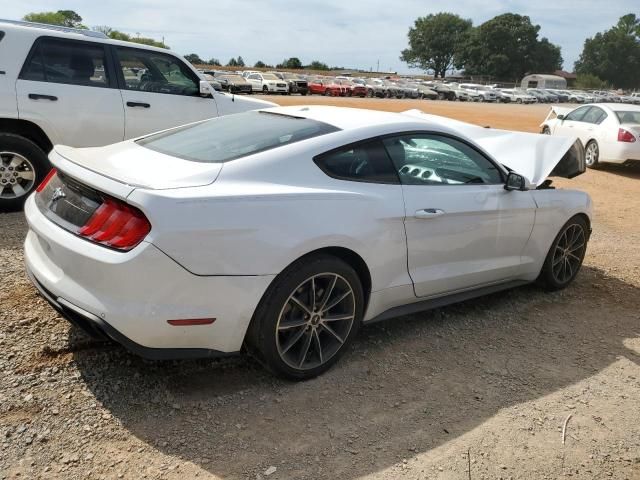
x,y
625,136
116,224
44,182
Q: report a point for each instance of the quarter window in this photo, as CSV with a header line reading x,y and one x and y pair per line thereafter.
x,y
149,71
429,159
594,115
65,61
364,162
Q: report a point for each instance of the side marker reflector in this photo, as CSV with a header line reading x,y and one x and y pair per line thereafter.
x,y
187,322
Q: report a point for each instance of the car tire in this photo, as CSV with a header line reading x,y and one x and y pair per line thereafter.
x,y
23,166
265,90
327,92
519,101
566,254
285,334
546,131
592,154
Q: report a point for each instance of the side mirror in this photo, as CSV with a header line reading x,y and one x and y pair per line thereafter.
x,y
515,181
560,117
206,90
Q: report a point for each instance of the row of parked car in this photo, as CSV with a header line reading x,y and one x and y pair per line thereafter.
x,y
286,83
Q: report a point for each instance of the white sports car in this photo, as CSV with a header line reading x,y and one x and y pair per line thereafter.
x,y
284,230
610,132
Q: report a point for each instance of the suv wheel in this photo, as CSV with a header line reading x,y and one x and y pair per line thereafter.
x,y
23,165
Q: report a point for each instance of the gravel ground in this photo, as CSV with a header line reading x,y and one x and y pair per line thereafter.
x,y
481,387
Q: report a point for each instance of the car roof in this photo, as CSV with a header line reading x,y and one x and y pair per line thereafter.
x,y
617,107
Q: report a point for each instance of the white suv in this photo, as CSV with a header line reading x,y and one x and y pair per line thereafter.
x,y
79,88
267,83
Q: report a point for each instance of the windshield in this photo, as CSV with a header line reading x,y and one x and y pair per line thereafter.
x,y
628,117
269,76
233,136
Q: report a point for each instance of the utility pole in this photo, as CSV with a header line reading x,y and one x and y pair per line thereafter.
x,y
378,66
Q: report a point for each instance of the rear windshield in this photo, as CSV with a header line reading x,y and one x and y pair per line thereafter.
x,y
226,138
628,117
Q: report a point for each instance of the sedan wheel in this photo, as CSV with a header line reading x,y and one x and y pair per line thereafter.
x,y
307,318
566,255
592,154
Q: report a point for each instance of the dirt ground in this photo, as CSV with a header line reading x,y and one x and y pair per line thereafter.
x,y
478,390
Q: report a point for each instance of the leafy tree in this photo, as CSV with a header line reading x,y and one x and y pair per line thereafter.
x,y
117,35
260,64
232,63
64,18
194,59
434,41
590,82
317,65
291,63
240,61
507,47
614,55
214,61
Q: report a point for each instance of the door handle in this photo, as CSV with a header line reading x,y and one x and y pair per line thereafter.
x,y
138,104
429,213
37,96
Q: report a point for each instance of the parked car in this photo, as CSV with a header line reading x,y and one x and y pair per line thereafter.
x,y
267,83
518,96
297,84
425,92
374,89
560,94
325,86
610,132
444,91
234,83
353,89
283,231
78,87
486,94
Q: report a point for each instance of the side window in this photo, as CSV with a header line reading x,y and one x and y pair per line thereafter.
x,y
66,61
595,115
426,159
364,162
253,76
155,72
577,114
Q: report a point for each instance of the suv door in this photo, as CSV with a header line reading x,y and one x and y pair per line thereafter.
x,y
70,86
463,228
159,91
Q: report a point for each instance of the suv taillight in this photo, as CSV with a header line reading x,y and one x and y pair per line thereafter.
x,y
625,136
44,182
116,224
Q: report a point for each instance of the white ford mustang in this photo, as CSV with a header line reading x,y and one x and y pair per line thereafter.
x,y
284,230
610,132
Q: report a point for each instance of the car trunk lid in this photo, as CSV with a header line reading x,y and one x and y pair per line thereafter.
x,y
140,167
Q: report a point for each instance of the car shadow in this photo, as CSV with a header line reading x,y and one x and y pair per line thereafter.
x,y
407,386
630,171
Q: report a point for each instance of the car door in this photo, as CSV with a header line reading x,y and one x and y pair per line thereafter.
x,y
572,124
256,82
159,91
588,128
69,86
464,230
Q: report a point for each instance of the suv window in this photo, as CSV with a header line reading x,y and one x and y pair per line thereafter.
x,y
430,159
577,114
363,162
67,61
150,71
594,115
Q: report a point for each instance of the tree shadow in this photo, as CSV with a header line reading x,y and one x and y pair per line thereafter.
x,y
407,386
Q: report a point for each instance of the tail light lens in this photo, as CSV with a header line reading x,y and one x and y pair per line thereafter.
x,y
625,136
46,180
116,224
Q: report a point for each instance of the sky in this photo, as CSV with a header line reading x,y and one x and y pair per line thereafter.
x,y
349,33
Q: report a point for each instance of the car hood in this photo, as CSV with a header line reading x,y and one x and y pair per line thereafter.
x,y
532,155
137,166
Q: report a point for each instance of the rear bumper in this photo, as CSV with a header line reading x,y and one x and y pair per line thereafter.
x,y
130,296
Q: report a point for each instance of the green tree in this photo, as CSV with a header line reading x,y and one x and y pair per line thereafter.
x,y
614,55
214,61
590,82
434,42
232,63
194,59
292,63
507,47
260,64
240,61
125,37
317,65
64,18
